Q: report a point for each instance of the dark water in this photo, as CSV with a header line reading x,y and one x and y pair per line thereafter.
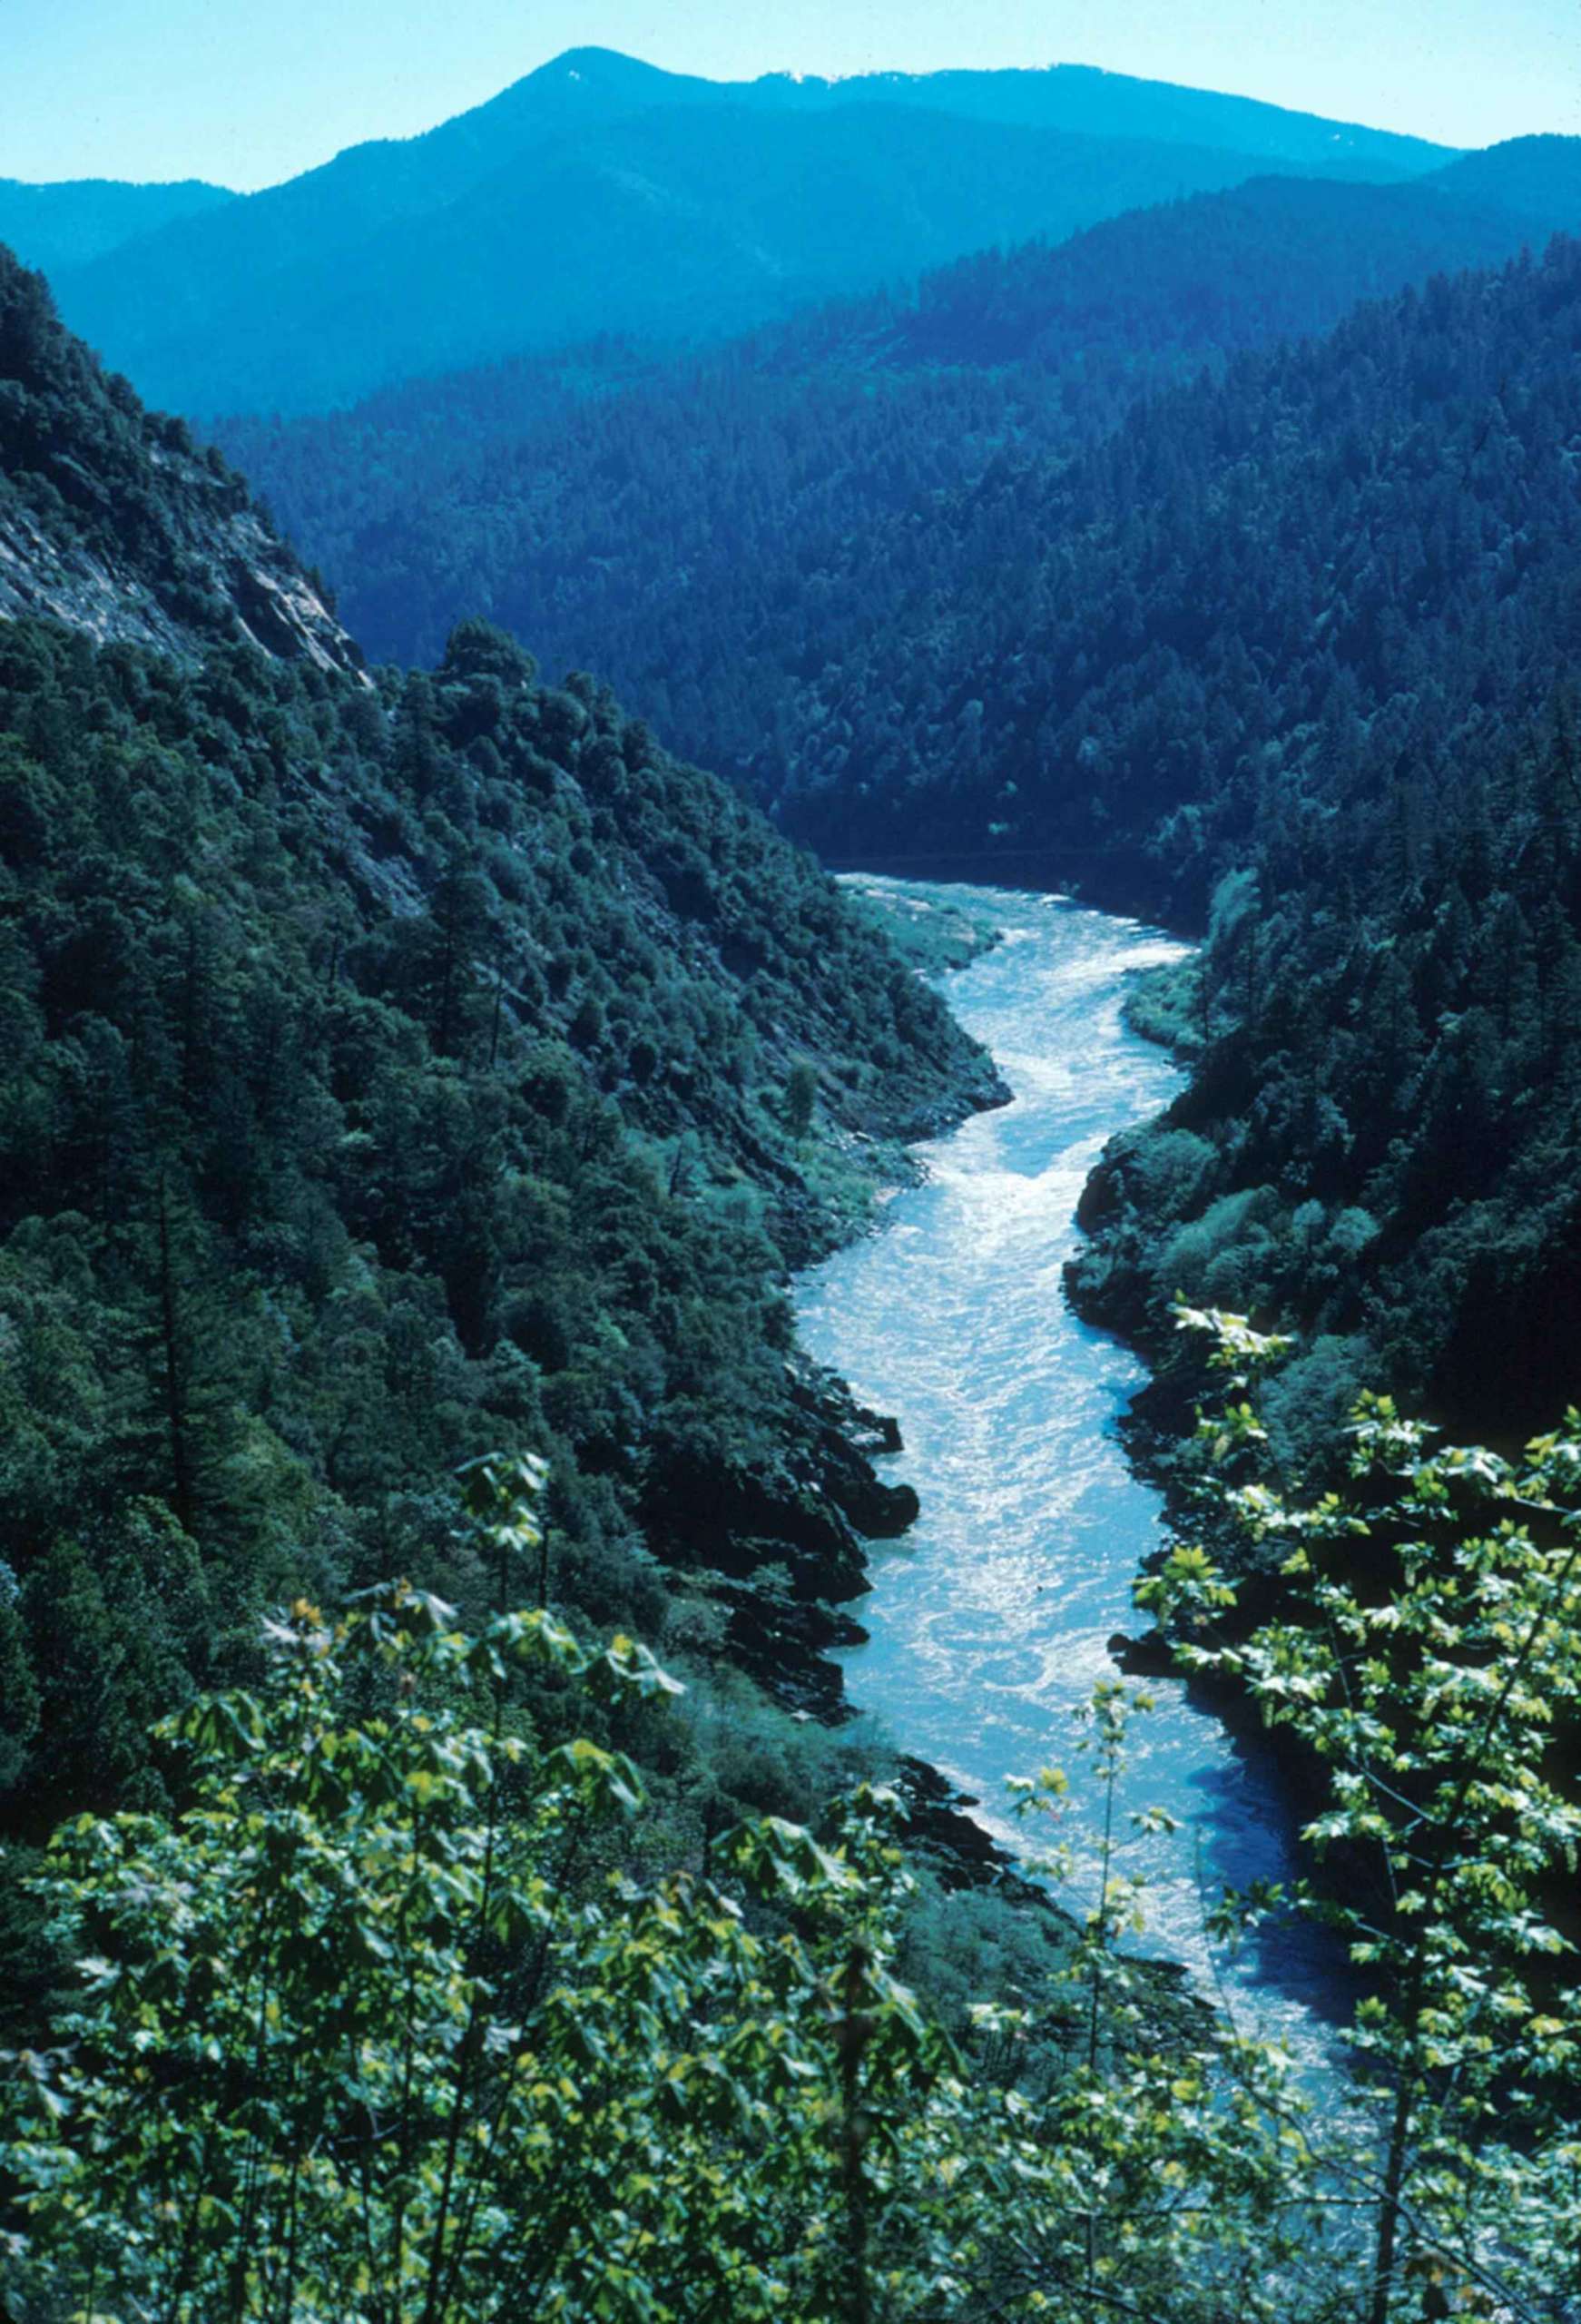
x,y
989,1622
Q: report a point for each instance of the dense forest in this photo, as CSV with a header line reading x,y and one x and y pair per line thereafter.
x,y
736,541
1379,1143
1386,512
394,1071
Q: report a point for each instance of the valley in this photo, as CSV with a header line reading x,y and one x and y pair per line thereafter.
x,y
791,1215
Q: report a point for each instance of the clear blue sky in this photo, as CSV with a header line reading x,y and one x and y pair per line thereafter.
x,y
246,92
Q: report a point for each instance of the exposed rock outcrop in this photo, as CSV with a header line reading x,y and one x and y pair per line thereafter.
x,y
112,521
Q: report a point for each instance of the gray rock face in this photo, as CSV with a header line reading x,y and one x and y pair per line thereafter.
x,y
53,572
112,521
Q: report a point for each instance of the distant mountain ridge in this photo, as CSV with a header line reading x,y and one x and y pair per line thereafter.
x,y
1097,104
601,195
1274,258
677,226
78,220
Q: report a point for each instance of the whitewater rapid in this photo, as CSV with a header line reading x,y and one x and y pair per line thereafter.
x,y
989,1622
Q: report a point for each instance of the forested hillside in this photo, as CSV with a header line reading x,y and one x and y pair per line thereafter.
x,y
734,540
393,1072
1378,1146
1388,512
1316,663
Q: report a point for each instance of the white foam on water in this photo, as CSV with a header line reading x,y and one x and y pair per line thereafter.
x,y
989,1624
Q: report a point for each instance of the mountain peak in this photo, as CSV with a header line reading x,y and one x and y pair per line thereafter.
x,y
556,91
581,62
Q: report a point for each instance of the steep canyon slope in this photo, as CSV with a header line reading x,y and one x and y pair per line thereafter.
x,y
395,1068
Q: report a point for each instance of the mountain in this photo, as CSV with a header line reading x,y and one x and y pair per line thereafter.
x,y
600,195
678,225
1093,102
78,220
723,536
392,1072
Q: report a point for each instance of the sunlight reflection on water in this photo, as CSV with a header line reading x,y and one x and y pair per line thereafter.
x,y
989,1623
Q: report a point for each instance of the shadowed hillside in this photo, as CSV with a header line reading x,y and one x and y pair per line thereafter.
x,y
728,538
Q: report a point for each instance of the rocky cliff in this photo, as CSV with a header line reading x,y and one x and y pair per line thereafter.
x,y
111,519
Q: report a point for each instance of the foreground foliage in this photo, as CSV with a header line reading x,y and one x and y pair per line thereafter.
x,y
387,2024
1430,1666
380,2025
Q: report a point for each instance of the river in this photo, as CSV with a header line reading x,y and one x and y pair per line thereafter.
x,y
989,1622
